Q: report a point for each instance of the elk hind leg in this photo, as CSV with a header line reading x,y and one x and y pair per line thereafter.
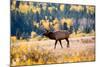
x,y
67,42
55,43
60,43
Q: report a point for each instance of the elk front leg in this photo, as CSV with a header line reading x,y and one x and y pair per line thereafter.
x,y
60,43
55,43
67,42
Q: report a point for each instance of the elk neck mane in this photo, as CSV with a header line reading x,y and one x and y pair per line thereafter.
x,y
51,35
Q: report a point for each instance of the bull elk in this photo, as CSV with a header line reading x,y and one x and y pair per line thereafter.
x,y
58,36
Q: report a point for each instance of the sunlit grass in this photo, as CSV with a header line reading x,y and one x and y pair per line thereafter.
x,y
27,53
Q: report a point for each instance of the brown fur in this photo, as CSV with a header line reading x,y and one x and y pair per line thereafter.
x,y
58,36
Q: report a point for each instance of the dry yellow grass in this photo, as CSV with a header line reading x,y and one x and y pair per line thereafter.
x,y
13,39
42,52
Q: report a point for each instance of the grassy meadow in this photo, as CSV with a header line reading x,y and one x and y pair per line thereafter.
x,y
41,50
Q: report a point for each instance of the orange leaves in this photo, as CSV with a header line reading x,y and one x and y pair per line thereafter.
x,y
45,24
36,9
55,21
62,7
56,24
13,5
23,7
68,21
76,8
50,9
90,9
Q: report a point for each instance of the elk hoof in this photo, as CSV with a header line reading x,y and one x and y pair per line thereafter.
x,y
61,47
67,46
54,47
